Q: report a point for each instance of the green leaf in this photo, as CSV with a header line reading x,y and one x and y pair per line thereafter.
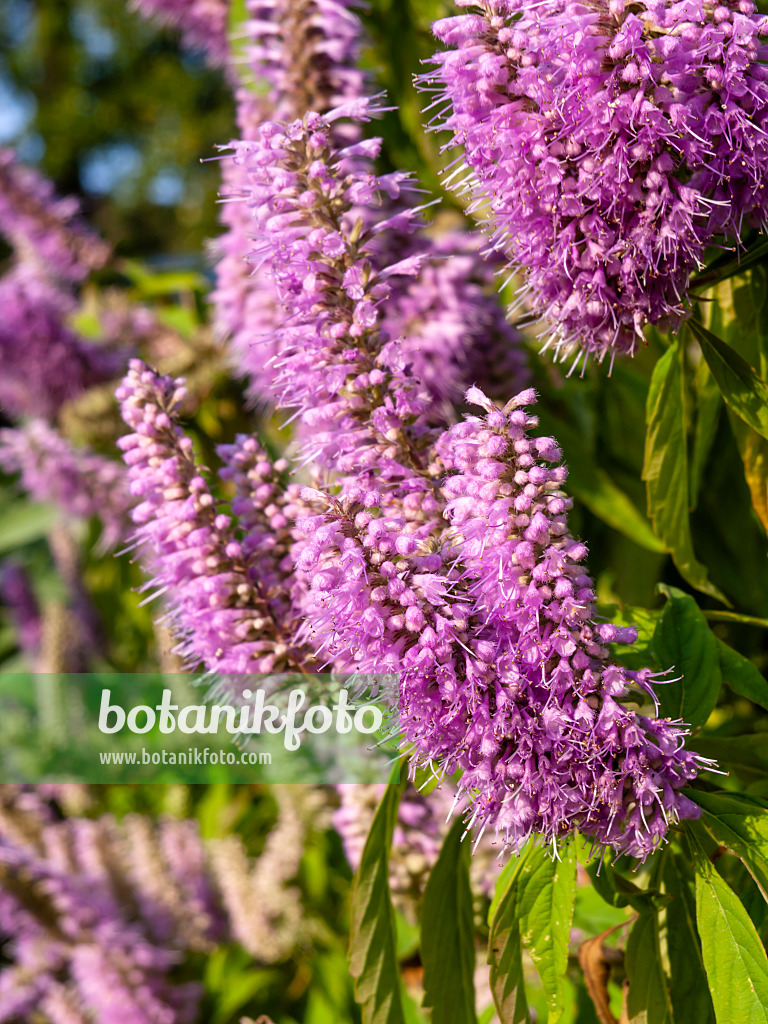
x,y
740,385
748,620
688,989
372,940
447,929
734,958
505,948
665,468
22,523
153,283
741,675
647,998
684,642
536,908
741,824
708,404
548,895
746,756
754,454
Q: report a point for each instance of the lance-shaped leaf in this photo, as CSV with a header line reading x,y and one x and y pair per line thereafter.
x,y
688,988
647,998
373,939
741,386
505,947
447,934
665,469
734,957
536,910
548,894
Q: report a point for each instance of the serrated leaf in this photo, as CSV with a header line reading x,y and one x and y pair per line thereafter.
x,y
665,469
734,958
447,930
741,386
548,895
505,949
373,939
536,909
647,998
688,989
740,824
741,675
684,642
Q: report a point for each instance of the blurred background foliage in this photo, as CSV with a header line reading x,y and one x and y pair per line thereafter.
x,y
110,108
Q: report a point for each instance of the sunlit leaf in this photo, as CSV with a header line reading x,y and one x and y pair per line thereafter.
x,y
734,958
688,990
665,469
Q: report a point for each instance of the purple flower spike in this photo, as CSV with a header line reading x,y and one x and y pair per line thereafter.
x,y
43,228
80,482
42,362
222,614
96,916
608,144
307,52
504,675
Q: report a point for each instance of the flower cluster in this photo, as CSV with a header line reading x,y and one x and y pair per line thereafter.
x,y
203,23
308,197
97,915
450,324
223,612
504,675
44,228
307,53
608,144
80,482
441,553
